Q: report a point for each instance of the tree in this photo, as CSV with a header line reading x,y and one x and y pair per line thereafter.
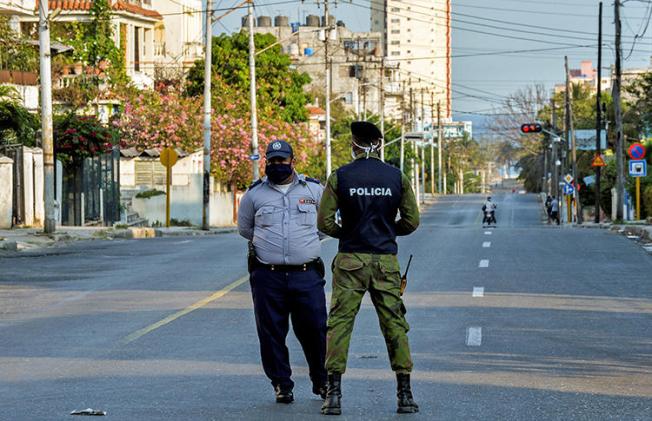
x,y
15,53
161,119
639,114
17,125
279,88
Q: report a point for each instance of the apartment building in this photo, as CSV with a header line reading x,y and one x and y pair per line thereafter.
x,y
417,42
355,57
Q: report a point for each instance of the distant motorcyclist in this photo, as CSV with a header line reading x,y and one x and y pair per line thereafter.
x,y
489,209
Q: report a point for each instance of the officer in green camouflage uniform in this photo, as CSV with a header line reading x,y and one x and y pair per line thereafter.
x,y
368,194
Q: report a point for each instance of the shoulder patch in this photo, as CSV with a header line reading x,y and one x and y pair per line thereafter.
x,y
255,183
313,180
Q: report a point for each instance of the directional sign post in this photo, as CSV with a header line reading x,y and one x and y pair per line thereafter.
x,y
637,169
168,158
568,189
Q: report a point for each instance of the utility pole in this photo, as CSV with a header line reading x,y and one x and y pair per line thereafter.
x,y
402,162
49,226
432,142
381,112
555,152
598,118
571,136
620,178
252,94
440,146
327,76
205,224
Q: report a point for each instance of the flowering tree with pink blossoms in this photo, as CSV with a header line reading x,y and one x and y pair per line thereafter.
x,y
158,120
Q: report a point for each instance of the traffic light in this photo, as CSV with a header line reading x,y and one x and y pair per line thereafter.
x,y
531,128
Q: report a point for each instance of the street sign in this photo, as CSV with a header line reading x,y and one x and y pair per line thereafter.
x,y
637,168
636,151
568,178
169,157
585,140
568,189
254,157
598,161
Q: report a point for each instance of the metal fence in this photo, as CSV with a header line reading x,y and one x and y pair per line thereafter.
x,y
15,152
91,191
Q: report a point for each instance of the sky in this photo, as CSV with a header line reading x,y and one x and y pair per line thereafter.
x,y
542,32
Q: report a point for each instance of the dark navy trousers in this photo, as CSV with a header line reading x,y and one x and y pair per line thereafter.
x,y
281,296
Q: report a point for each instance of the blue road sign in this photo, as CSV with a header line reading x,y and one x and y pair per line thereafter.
x,y
637,168
568,189
254,157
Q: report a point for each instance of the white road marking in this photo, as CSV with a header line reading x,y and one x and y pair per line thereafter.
x,y
487,233
484,263
474,336
486,244
183,242
478,292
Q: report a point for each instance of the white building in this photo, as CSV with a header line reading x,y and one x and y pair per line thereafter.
x,y
178,39
417,39
155,35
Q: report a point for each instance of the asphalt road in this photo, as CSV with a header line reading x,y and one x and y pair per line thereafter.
x,y
521,322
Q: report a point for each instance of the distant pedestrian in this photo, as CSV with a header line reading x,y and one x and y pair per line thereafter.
x,y
278,215
548,205
554,209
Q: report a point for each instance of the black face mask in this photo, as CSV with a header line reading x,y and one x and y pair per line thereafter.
x,y
278,173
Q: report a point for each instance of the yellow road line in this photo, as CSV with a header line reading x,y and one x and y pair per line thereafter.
x,y
199,304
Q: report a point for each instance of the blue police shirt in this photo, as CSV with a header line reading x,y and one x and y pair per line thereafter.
x,y
282,226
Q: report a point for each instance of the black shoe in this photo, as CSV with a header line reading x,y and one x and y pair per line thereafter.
x,y
284,394
320,389
406,404
332,403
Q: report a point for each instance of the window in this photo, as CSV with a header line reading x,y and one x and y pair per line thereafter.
x,y
397,20
396,9
396,42
396,53
396,31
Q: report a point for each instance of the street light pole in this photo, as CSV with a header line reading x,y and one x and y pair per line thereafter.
x,y
49,226
252,94
208,59
327,76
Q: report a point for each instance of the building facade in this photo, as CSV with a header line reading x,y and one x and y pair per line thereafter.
x,y
417,42
355,58
155,35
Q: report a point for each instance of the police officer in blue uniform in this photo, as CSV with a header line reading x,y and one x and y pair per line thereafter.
x,y
278,215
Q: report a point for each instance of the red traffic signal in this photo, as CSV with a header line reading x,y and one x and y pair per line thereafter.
x,y
531,128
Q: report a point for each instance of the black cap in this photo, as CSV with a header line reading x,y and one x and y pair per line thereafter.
x,y
365,131
279,148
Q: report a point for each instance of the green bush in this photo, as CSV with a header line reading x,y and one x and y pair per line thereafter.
x,y
647,201
150,193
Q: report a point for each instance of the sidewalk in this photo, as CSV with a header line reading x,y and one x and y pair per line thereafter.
x,y
25,239
641,233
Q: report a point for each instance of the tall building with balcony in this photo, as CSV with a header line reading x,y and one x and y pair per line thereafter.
x,y
417,42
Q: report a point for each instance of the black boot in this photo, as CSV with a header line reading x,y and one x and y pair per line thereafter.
x,y
406,404
284,394
332,405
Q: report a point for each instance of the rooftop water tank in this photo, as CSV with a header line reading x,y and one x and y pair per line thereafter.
x,y
312,20
264,21
281,21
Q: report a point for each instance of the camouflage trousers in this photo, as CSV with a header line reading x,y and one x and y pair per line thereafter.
x,y
353,275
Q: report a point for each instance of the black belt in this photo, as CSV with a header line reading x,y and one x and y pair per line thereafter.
x,y
290,268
